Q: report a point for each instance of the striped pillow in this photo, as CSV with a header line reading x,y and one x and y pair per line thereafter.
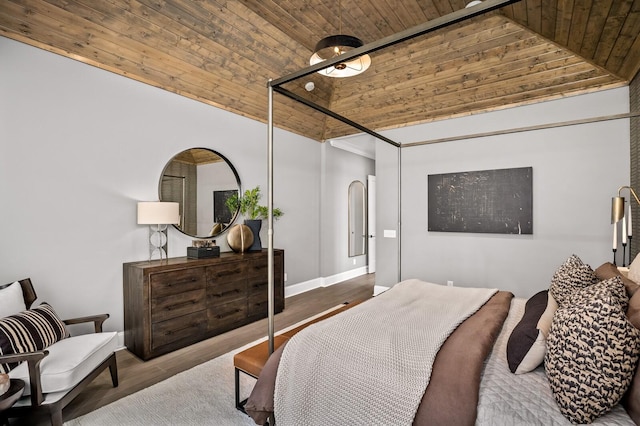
x,y
29,331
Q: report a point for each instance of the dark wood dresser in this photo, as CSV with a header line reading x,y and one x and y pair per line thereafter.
x,y
175,302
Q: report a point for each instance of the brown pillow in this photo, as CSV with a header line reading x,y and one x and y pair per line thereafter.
x,y
633,311
609,270
527,345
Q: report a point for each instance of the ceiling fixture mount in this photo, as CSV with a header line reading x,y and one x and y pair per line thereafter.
x,y
332,46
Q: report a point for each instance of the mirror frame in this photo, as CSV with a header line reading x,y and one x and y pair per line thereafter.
x,y
233,170
357,199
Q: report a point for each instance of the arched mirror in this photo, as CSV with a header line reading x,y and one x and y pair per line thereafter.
x,y
200,180
357,219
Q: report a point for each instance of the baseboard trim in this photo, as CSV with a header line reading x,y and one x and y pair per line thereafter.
x,y
292,290
120,340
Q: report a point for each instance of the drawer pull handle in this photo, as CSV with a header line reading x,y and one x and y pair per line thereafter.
x,y
258,285
187,327
224,293
180,305
225,273
193,279
221,316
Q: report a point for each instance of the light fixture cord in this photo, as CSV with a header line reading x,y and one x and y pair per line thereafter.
x,y
340,17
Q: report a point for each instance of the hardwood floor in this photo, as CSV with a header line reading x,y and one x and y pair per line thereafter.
x,y
135,374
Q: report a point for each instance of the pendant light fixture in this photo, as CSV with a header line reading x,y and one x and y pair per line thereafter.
x,y
336,45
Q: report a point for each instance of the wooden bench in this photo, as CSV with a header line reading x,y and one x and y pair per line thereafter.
x,y
251,360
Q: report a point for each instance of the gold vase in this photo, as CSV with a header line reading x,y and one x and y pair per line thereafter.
x,y
240,238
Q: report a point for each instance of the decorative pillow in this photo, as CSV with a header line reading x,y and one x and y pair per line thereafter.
x,y
592,352
609,270
571,276
633,311
527,343
11,300
634,270
29,331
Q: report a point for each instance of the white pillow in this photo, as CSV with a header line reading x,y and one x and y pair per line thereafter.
x,y
11,300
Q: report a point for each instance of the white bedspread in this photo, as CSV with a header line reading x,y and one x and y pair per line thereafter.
x,y
508,399
370,365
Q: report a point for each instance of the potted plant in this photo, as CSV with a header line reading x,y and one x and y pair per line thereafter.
x,y
253,212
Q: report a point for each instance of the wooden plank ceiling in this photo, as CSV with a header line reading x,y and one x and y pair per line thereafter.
x,y
223,53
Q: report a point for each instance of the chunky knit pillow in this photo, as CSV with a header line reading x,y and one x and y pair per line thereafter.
x,y
570,277
592,351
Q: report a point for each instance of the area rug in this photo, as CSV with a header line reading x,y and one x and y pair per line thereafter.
x,y
203,395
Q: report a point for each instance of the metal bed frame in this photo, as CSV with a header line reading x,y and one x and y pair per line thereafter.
x,y
276,86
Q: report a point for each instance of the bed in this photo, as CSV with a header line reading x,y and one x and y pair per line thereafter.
x,y
469,380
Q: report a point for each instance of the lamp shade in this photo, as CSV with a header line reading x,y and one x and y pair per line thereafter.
x,y
158,213
617,209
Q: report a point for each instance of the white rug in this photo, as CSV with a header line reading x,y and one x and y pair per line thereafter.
x,y
203,395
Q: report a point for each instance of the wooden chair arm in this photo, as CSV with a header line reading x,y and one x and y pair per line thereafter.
x,y
33,360
97,320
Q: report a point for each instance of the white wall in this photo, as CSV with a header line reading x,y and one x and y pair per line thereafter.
x,y
79,147
576,171
340,168
387,217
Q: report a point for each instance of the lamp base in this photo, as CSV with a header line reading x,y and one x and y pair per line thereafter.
x,y
158,241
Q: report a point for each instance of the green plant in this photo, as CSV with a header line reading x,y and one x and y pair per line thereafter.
x,y
249,206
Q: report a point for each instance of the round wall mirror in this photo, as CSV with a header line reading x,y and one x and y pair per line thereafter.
x,y
200,180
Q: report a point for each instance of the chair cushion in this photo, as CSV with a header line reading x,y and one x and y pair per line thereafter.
x,y
29,331
11,300
69,361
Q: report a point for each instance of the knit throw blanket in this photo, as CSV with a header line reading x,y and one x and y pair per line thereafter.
x,y
371,364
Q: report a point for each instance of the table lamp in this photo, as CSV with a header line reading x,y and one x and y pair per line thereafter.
x,y
158,215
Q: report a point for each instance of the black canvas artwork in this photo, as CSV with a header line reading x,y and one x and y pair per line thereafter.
x,y
221,213
487,201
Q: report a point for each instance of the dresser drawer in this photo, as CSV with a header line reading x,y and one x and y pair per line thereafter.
x,y
258,305
260,286
225,315
257,267
185,327
226,291
175,305
175,282
231,271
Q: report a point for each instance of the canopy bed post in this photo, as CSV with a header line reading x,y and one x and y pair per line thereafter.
x,y
270,295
